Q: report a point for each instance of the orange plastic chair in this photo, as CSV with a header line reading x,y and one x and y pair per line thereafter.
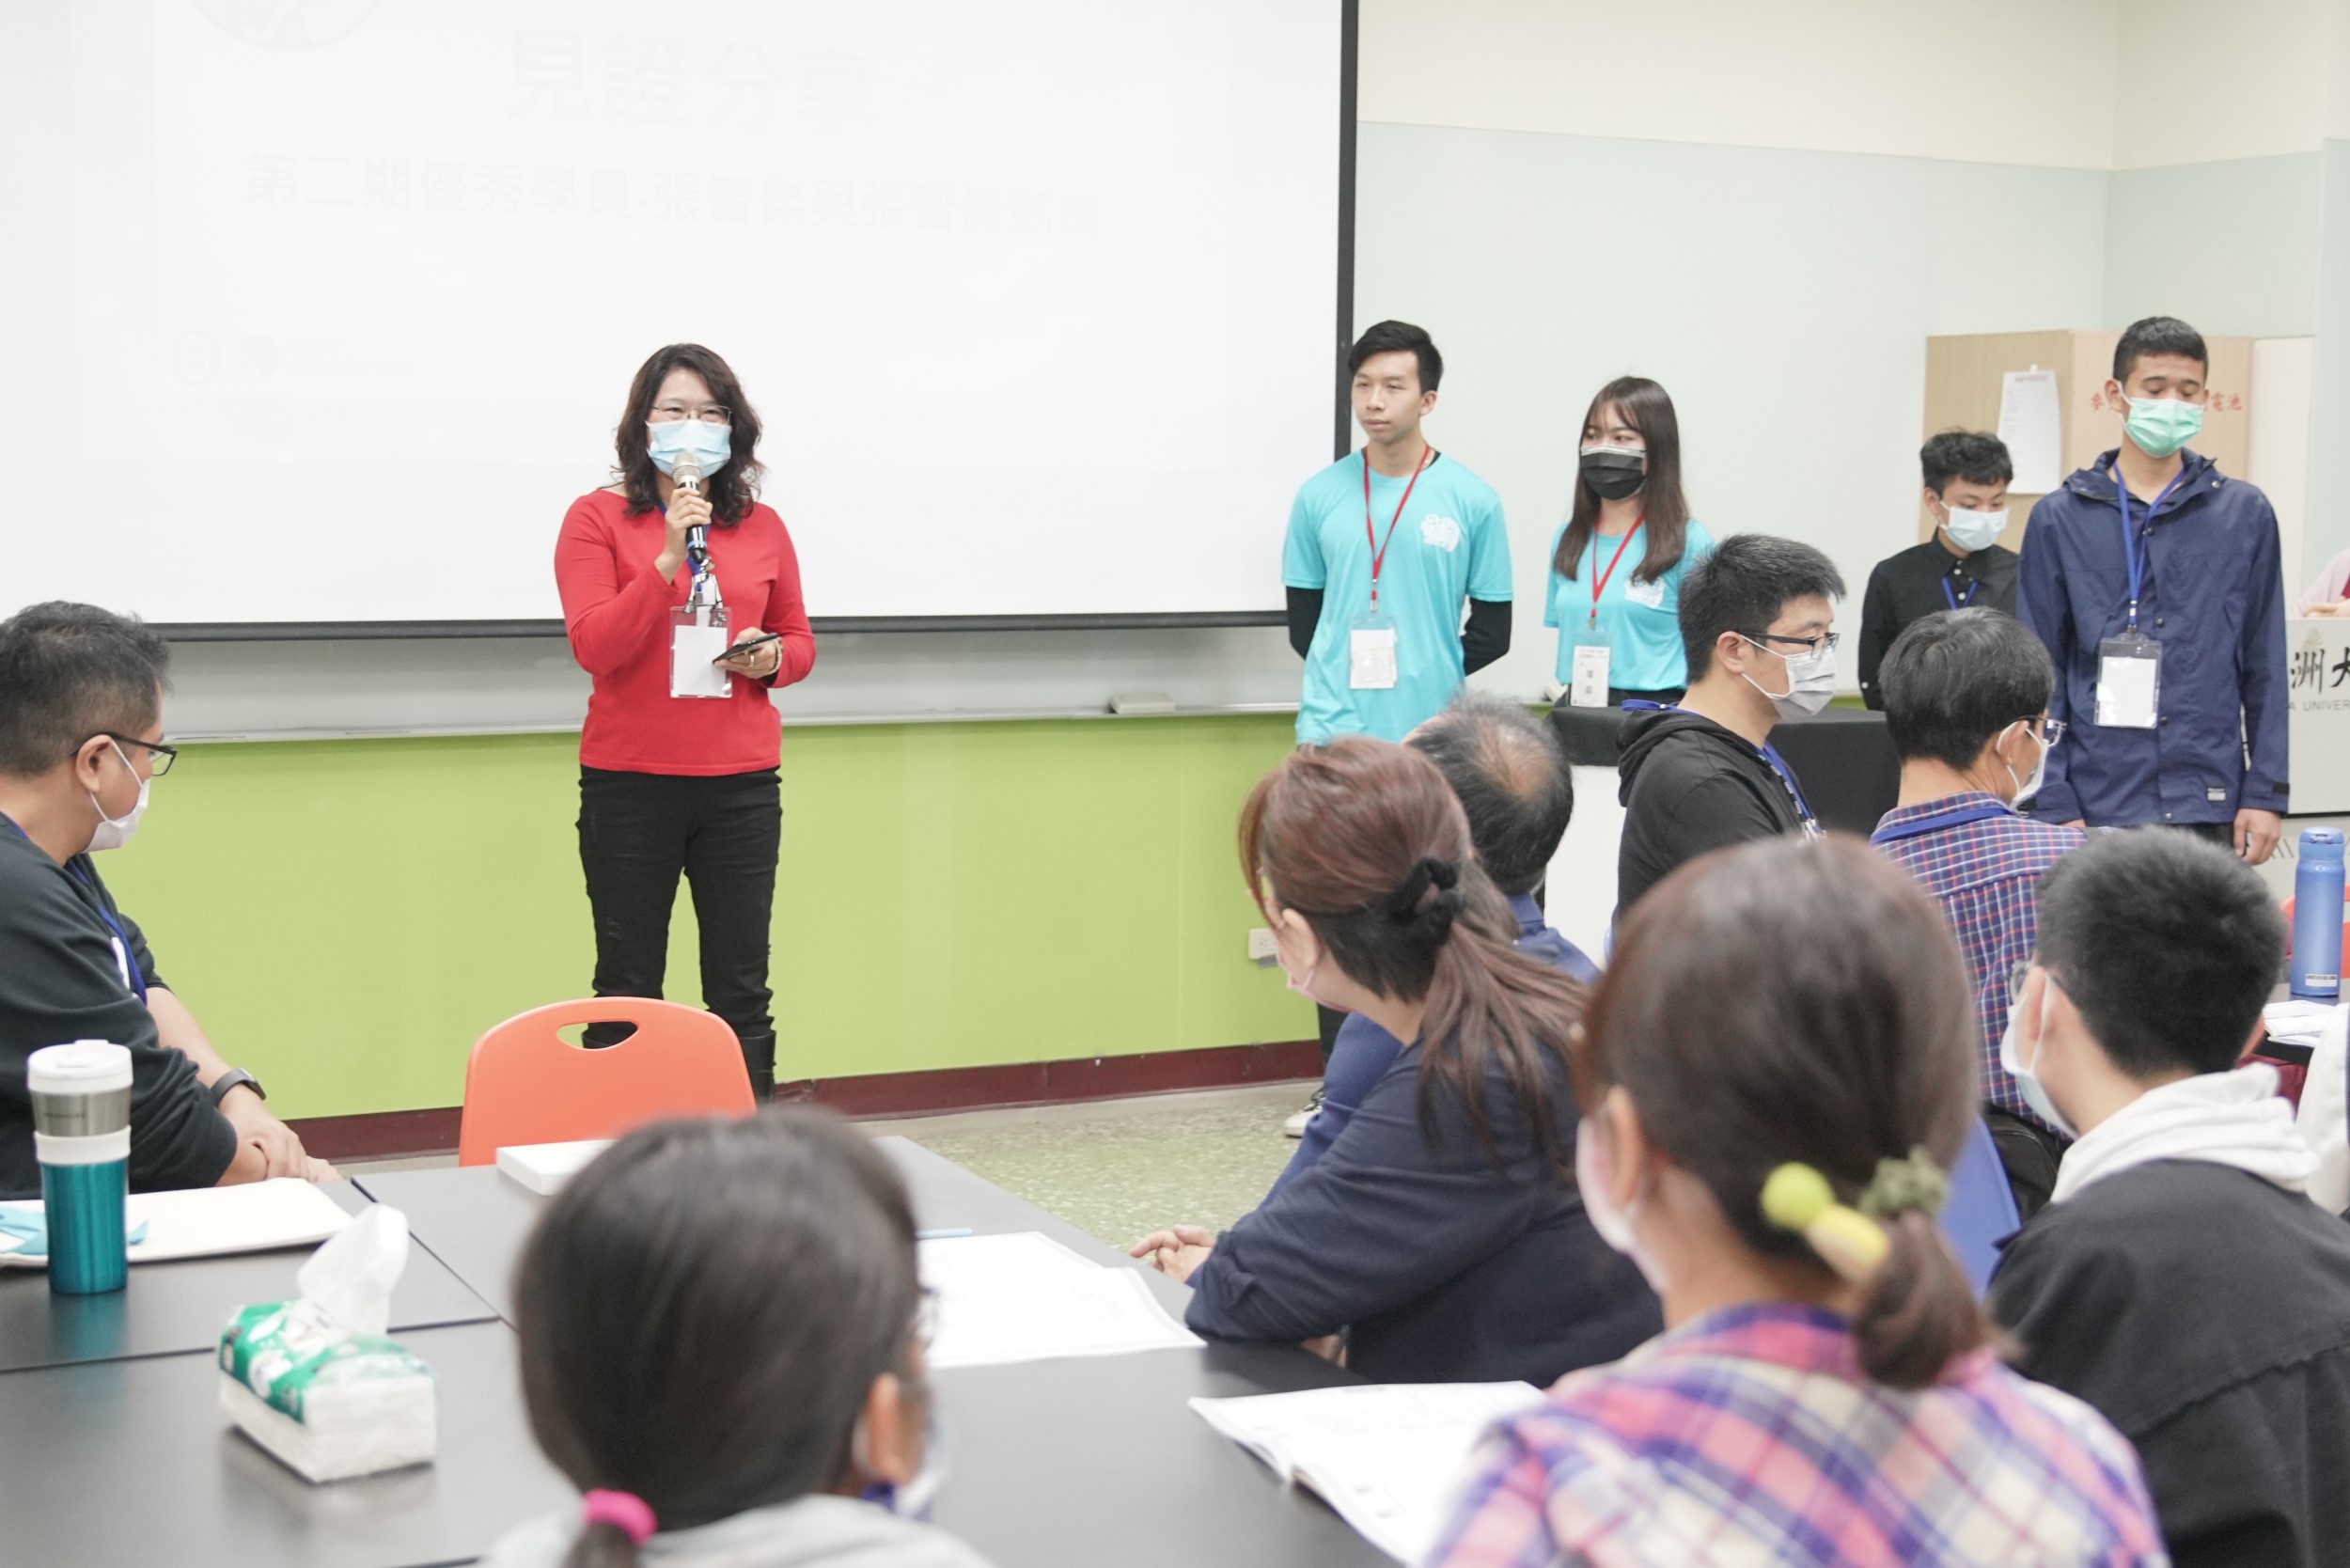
x,y
525,1084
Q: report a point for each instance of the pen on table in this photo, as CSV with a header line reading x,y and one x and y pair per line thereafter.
x,y
950,1233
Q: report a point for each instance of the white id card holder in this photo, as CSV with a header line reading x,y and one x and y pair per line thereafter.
x,y
1370,653
697,636
2129,682
1588,688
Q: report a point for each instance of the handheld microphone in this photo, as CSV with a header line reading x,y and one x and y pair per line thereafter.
x,y
686,474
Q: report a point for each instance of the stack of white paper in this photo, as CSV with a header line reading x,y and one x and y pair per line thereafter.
x,y
1025,1298
2298,1021
204,1222
543,1168
1386,1457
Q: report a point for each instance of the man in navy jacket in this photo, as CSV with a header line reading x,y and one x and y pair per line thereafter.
x,y
2152,554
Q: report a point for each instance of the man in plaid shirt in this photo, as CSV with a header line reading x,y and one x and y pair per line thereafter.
x,y
1966,700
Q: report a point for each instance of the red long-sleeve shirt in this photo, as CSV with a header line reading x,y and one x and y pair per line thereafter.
x,y
616,611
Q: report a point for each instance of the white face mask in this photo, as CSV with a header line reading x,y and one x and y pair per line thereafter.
x,y
1614,1224
2026,788
2012,1061
115,832
1810,680
1974,530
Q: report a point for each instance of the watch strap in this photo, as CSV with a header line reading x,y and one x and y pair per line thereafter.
x,y
234,1079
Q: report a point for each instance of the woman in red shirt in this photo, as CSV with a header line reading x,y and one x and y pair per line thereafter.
x,y
667,783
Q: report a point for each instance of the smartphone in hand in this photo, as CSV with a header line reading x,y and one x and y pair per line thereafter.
x,y
748,645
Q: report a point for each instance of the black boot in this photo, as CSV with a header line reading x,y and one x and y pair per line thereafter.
x,y
758,1055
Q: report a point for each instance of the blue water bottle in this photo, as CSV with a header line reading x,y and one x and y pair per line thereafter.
x,y
81,1097
2317,916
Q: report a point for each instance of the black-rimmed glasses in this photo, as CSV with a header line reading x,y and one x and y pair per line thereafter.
x,y
163,754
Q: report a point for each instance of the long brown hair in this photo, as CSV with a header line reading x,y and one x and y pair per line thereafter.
x,y
1785,1002
1363,838
732,489
1664,509
703,1309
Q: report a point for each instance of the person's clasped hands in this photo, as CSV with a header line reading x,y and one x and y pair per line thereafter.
x,y
1176,1251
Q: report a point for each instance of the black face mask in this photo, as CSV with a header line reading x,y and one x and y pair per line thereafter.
x,y
1614,473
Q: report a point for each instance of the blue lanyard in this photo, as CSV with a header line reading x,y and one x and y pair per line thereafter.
x,y
1937,822
130,965
1787,776
1954,601
2136,547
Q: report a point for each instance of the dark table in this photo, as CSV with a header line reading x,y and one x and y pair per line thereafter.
x,y
1843,757
1080,1461
176,1308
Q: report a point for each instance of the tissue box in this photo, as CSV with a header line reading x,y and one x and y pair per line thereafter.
x,y
328,1405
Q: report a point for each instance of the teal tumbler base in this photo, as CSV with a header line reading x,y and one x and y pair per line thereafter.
x,y
88,1253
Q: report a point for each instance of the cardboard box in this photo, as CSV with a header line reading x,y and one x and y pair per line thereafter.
x,y
1963,385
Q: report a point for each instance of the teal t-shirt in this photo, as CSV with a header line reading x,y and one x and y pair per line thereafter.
x,y
1450,545
1642,621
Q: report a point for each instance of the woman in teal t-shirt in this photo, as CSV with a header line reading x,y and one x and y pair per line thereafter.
x,y
1616,563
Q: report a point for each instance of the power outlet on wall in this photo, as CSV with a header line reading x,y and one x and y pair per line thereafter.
x,y
1261,945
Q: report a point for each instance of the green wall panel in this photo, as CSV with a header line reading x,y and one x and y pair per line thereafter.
x,y
347,916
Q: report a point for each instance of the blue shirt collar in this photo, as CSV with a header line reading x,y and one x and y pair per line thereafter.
x,y
1529,914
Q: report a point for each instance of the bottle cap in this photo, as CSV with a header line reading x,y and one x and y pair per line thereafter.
x,y
84,1066
2323,842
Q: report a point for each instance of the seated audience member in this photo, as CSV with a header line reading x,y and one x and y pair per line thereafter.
x,y
1756,620
1440,1231
2179,1279
1505,767
1964,565
1779,1067
81,731
722,1347
1966,702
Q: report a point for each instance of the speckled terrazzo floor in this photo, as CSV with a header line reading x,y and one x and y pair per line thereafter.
x,y
1120,1168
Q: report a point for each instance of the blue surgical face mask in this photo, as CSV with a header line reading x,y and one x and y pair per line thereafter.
x,y
2160,425
2034,1095
710,443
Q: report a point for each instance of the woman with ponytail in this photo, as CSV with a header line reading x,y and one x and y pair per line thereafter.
x,y
1440,1232
722,1347
1780,1071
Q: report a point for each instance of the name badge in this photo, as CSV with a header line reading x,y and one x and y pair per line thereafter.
x,y
2129,682
693,643
1371,654
1589,687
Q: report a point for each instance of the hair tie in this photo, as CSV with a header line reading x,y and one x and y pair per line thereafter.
x,y
1427,872
624,1511
1916,1182
1797,1198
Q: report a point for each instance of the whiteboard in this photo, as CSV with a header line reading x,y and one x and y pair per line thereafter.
x,y
337,301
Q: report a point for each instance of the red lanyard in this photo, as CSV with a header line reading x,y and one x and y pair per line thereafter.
x,y
1379,547
1601,580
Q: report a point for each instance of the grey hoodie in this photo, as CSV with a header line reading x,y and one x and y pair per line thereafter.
x,y
815,1532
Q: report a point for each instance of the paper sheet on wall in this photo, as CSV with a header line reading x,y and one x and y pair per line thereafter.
x,y
1025,1298
2033,425
1387,1458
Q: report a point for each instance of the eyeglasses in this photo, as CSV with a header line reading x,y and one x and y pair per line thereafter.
x,y
2048,732
1810,645
709,413
163,754
926,1317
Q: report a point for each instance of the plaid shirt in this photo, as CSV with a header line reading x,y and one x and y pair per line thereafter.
x,y
1750,1435
1985,875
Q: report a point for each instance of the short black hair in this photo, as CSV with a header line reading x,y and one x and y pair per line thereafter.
x,y
1955,678
1743,585
1399,337
2154,335
1511,776
1968,455
2167,945
70,671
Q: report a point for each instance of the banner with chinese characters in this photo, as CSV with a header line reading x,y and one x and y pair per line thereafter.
x,y
2317,666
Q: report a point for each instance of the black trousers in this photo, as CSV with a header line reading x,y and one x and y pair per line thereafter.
x,y
637,831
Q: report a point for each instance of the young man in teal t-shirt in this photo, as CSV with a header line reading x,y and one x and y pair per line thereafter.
x,y
1385,548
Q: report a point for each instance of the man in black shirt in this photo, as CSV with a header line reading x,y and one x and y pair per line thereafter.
x,y
1757,621
81,733
2180,1279
1967,476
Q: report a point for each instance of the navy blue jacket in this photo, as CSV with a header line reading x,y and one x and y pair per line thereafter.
x,y
2213,597
1363,1051
1444,1267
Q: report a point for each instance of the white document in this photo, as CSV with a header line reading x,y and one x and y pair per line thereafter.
x,y
543,1168
1387,1458
1025,1297
691,673
2031,423
205,1222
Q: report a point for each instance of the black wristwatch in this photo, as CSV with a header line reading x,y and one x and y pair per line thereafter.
x,y
234,1078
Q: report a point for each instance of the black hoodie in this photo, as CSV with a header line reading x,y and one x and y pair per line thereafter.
x,y
1689,786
